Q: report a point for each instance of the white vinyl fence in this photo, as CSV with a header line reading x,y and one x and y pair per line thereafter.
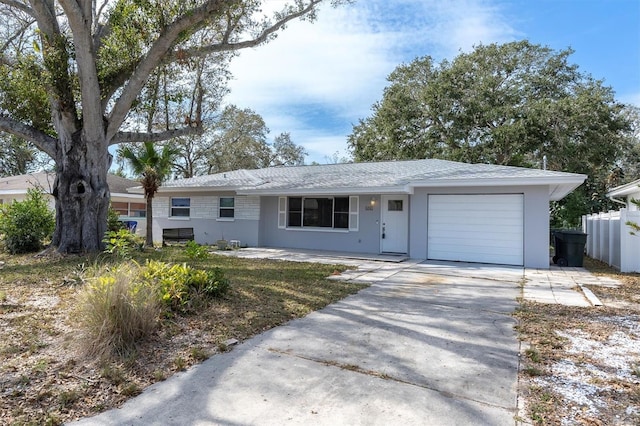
x,y
609,239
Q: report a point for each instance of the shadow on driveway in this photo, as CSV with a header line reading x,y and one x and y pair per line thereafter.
x,y
420,347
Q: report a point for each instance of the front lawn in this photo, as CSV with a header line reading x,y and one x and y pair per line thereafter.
x,y
45,380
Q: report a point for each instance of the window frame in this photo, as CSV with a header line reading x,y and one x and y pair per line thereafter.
x,y
173,208
231,209
300,217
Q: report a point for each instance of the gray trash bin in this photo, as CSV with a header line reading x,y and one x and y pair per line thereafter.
x,y
569,247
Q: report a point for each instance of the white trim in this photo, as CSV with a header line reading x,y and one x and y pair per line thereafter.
x,y
282,212
329,192
225,219
354,213
318,229
624,190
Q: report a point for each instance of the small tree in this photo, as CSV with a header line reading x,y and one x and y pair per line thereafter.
x,y
26,224
153,167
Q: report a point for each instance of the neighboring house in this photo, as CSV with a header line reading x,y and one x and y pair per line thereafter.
x,y
131,207
623,194
426,209
610,239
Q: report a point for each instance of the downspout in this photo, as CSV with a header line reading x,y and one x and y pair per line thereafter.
x,y
615,200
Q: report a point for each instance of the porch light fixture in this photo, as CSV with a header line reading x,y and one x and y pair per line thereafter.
x,y
372,203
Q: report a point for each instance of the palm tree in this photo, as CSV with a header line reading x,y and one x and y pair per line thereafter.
x,y
153,167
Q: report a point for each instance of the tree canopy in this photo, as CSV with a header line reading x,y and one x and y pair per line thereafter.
x,y
77,76
509,104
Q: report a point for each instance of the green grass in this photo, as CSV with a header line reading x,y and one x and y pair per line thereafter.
x,y
40,336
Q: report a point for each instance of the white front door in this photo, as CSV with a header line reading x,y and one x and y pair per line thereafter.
x,y
394,227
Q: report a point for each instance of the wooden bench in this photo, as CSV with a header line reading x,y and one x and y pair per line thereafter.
x,y
177,235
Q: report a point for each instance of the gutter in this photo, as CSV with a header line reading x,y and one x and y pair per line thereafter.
x,y
615,200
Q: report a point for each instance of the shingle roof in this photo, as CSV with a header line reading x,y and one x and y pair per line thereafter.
x,y
44,180
368,177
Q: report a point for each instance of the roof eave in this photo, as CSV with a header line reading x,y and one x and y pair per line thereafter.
x,y
328,191
624,190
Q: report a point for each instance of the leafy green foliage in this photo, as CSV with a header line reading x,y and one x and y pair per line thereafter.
x,y
26,224
122,243
178,284
508,104
154,167
195,251
113,220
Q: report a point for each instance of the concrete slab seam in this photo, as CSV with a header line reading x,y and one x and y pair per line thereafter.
x,y
384,376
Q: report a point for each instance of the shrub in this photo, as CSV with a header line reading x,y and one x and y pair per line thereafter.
x,y
122,243
26,224
176,284
211,283
117,310
113,220
195,251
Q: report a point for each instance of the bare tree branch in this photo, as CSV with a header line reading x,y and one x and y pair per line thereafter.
x,y
226,46
40,139
166,41
123,137
18,5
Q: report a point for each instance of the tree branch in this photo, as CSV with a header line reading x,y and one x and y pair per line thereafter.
x,y
226,46
163,46
18,5
124,137
80,23
40,139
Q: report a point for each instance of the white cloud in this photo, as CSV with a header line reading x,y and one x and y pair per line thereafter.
x,y
338,65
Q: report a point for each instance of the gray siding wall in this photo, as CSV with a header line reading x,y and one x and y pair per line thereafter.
x,y
365,240
207,227
536,220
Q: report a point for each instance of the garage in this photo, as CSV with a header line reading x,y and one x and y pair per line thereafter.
x,y
484,228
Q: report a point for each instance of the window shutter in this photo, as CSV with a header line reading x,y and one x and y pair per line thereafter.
x,y
354,212
282,212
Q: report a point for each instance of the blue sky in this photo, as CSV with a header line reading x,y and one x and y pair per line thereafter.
x,y
316,80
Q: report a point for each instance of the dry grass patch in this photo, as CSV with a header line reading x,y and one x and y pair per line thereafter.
x,y
44,379
580,367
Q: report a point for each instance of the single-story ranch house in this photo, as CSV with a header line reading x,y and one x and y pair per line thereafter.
x,y
425,209
130,207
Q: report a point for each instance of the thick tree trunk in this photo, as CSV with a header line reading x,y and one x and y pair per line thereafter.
x,y
82,198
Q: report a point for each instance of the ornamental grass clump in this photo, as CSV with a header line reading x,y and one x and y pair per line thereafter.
x,y
117,311
121,306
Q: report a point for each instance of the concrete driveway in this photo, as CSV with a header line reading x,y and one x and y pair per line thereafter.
x,y
426,344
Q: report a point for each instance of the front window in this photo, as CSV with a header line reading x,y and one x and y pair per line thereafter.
x,y
180,207
227,207
318,212
129,209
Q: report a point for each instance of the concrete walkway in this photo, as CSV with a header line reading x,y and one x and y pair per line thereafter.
x,y
564,286
427,343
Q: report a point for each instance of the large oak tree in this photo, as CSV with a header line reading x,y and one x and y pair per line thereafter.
x,y
510,104
74,74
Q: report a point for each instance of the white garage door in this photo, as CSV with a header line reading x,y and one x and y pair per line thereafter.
x,y
487,228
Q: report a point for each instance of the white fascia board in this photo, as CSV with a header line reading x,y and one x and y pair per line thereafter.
x,y
183,189
502,181
139,196
14,192
329,191
624,190
559,186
